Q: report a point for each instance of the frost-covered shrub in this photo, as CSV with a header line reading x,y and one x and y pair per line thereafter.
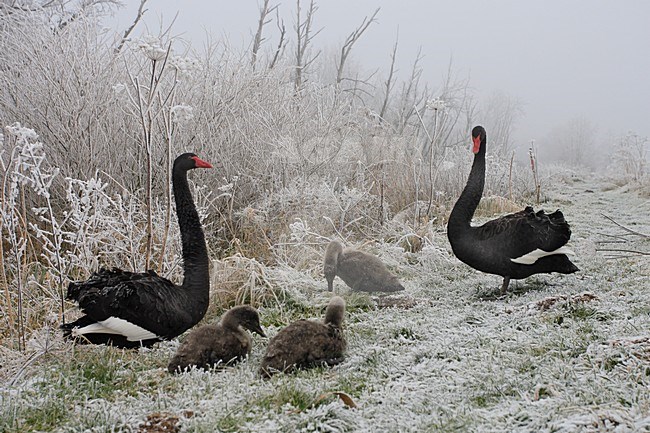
x,y
238,280
26,170
326,208
629,162
63,91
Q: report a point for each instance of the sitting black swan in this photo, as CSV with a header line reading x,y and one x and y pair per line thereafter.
x,y
513,246
307,343
222,344
127,309
360,271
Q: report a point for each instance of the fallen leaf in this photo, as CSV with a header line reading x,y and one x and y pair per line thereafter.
x,y
345,398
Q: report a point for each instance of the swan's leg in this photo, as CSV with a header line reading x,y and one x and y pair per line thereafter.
x,y
504,287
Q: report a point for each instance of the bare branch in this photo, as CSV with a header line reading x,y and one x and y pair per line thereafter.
x,y
282,43
257,41
127,32
349,43
623,250
304,37
73,15
410,98
629,230
389,84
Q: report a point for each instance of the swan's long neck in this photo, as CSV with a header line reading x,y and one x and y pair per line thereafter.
x,y
463,211
335,311
230,320
334,250
195,253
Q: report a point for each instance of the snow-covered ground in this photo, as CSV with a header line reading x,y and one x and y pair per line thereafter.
x,y
558,353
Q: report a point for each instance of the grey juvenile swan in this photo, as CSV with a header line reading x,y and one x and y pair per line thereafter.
x,y
359,270
222,344
308,343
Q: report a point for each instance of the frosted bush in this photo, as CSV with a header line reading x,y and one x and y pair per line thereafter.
x,y
228,188
436,104
392,255
447,165
27,172
182,113
629,160
203,200
185,66
299,230
87,201
30,170
434,256
23,134
497,181
119,88
151,47
105,229
29,157
325,209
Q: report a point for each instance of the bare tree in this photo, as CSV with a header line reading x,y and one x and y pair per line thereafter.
x,y
304,38
282,43
411,96
150,103
258,39
630,157
390,81
349,43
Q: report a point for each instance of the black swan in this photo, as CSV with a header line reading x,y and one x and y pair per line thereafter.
x,y
127,309
222,344
307,343
360,271
513,246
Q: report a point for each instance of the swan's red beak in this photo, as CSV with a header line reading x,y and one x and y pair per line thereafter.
x,y
477,144
201,163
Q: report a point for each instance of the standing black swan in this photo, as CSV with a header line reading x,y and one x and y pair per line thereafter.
x,y
359,270
513,246
307,343
127,309
224,343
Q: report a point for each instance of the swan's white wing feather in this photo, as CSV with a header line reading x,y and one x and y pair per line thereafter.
x,y
533,256
115,325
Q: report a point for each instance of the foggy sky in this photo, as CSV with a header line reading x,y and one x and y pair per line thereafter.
x,y
561,58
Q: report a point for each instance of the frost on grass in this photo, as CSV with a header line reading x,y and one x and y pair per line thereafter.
x,y
560,353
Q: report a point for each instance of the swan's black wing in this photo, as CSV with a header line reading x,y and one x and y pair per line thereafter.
x,y
145,300
520,233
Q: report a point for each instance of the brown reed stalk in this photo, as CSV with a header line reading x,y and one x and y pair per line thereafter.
x,y
532,153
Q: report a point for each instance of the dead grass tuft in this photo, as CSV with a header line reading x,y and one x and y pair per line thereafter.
x,y
496,205
238,280
163,422
547,303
